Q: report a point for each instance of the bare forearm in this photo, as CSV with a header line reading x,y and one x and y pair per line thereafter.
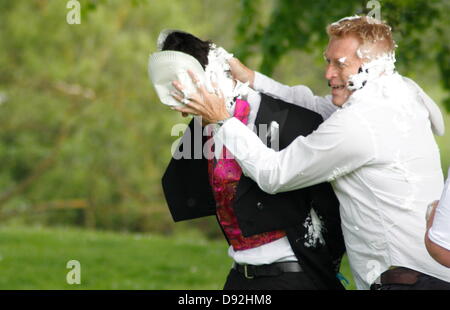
x,y
440,254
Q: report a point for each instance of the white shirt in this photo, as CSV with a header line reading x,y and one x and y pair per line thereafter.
x,y
439,233
276,251
381,158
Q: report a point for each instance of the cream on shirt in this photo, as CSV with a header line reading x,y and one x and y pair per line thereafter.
x,y
378,152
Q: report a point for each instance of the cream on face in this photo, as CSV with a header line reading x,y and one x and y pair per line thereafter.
x,y
351,66
375,66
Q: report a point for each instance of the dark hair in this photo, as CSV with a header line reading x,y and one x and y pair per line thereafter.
x,y
189,44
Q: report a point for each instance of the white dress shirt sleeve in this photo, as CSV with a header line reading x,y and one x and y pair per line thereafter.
x,y
439,233
299,95
333,150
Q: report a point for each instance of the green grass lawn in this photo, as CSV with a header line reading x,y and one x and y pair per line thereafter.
x,y
36,258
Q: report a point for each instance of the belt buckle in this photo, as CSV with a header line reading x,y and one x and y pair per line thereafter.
x,y
246,273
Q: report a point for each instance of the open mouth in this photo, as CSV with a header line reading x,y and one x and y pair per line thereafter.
x,y
337,86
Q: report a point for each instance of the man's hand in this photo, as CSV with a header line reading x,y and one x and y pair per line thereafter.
x,y
210,107
241,72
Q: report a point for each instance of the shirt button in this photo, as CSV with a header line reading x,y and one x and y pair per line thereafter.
x,y
259,206
356,228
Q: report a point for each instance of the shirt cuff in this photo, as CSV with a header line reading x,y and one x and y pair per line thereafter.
x,y
258,82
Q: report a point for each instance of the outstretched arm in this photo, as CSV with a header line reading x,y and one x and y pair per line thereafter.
x,y
334,149
299,95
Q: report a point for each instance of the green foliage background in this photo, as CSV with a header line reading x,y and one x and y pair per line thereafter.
x,y
83,138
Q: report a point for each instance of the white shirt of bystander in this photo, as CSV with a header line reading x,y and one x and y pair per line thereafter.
x,y
439,233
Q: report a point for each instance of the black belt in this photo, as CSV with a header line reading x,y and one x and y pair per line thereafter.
x,y
271,270
397,275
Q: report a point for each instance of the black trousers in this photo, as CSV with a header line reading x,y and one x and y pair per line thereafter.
x,y
424,282
285,281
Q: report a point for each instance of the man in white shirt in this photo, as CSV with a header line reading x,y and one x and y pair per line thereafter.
x,y
376,148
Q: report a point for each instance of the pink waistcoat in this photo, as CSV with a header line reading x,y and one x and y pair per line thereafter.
x,y
224,176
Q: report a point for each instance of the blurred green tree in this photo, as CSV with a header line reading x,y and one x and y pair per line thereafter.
x,y
83,137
